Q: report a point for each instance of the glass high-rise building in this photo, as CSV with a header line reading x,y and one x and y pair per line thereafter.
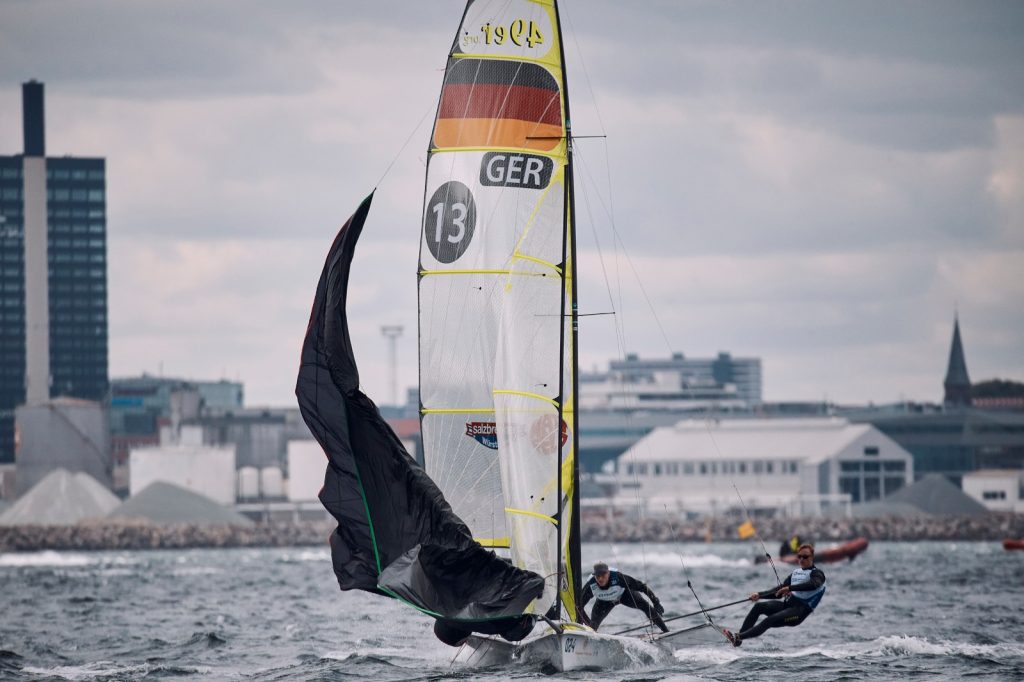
x,y
53,274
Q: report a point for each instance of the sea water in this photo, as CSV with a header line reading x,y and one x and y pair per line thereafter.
x,y
935,610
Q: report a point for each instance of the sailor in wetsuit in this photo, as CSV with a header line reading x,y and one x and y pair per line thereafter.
x,y
612,587
800,594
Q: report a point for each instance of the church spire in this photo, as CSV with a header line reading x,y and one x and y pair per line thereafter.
x,y
957,383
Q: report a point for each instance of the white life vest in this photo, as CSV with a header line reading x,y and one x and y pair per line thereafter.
x,y
808,597
613,591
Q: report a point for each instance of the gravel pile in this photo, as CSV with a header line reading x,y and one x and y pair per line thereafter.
x,y
61,498
165,503
935,494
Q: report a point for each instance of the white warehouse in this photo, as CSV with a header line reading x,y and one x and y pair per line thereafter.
x,y
797,466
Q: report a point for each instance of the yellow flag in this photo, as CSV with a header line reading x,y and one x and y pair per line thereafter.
x,y
746,530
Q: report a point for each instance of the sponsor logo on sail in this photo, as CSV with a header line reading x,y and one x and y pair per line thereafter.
x,y
485,433
546,432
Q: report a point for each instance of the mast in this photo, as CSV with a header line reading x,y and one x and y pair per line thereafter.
x,y
570,564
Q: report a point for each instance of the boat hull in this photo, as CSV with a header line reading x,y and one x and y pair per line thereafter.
x,y
580,649
1011,544
846,551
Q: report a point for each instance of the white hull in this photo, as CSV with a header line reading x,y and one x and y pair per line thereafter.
x,y
579,649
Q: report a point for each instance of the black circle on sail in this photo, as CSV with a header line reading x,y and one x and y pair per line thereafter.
x,y
450,221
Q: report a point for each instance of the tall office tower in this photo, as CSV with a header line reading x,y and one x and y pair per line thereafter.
x,y
53,274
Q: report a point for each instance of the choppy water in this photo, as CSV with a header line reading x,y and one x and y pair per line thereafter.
x,y
902,610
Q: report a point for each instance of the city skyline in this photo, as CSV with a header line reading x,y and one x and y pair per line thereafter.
x,y
822,187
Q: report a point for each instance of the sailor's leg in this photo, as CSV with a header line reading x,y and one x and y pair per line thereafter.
x,y
760,608
786,616
600,612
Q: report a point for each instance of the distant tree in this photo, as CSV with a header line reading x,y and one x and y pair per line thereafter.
x,y
997,388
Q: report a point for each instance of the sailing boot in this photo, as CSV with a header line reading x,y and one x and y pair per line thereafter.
x,y
734,639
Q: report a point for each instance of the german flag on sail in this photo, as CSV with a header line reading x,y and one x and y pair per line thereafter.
x,y
499,103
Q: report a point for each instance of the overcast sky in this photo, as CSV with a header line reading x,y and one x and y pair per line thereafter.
x,y
817,184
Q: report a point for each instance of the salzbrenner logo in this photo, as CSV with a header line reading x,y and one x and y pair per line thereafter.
x,y
485,433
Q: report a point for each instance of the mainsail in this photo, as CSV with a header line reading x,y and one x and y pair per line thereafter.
x,y
396,534
497,294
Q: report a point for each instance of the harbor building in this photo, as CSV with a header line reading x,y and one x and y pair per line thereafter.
x,y
53,274
797,467
958,436
636,395
997,489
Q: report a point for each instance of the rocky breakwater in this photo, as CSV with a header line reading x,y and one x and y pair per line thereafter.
x,y
129,535
102,535
991,526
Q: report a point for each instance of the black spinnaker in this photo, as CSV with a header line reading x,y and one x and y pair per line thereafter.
x,y
396,533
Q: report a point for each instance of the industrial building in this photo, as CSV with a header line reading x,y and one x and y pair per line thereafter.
x,y
53,274
206,470
997,489
793,466
63,433
140,406
677,382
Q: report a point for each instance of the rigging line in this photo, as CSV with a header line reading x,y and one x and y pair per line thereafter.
x,y
686,615
583,67
617,239
672,531
404,145
593,229
746,512
757,534
620,339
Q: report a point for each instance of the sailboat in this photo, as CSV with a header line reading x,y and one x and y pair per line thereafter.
x,y
498,371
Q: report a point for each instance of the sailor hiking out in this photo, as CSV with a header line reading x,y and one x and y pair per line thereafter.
x,y
800,594
611,587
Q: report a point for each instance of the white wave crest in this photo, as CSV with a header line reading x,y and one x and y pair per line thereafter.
x,y
62,559
714,654
675,559
107,669
880,647
909,645
306,555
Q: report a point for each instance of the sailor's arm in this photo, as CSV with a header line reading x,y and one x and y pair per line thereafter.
x,y
771,592
635,585
586,593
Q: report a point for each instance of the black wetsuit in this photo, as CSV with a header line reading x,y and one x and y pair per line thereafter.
x,y
794,608
621,589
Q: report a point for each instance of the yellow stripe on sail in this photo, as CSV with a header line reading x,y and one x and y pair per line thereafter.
x,y
525,394
457,410
526,512
492,543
